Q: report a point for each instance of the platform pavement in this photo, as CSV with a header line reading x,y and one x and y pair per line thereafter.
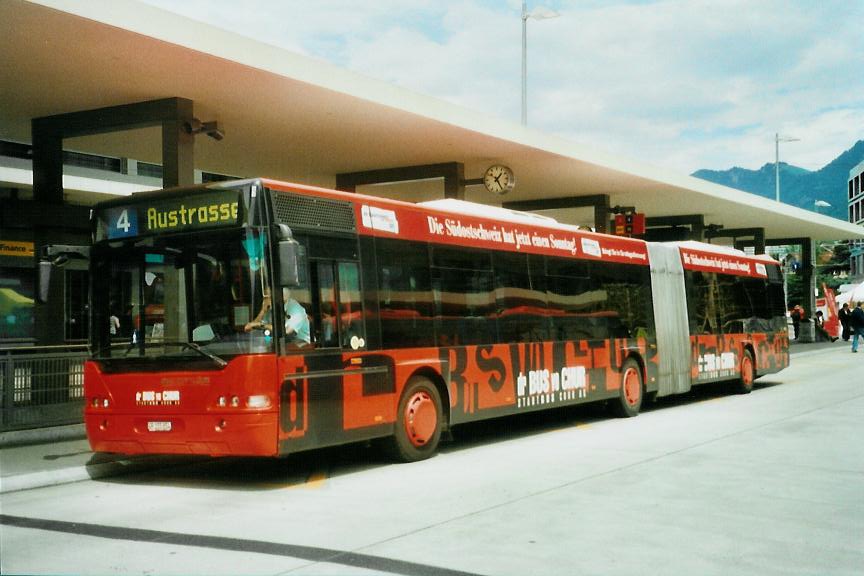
x,y
59,455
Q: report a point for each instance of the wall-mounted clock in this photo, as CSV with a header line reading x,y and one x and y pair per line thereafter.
x,y
499,179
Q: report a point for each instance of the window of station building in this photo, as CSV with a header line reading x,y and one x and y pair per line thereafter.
x,y
520,298
464,296
404,294
17,300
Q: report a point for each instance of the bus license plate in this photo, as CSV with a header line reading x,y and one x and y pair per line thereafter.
x,y
159,426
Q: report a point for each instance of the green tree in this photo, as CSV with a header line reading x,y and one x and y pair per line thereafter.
x,y
835,269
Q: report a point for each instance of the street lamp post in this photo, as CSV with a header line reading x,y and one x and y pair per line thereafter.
x,y
537,14
777,140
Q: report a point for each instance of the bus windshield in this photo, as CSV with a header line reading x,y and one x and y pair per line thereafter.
x,y
181,295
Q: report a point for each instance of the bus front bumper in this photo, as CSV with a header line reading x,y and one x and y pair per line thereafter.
x,y
246,434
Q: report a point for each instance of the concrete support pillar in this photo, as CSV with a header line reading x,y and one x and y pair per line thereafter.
x,y
178,147
808,281
808,272
758,235
172,114
453,174
51,220
47,162
671,228
599,202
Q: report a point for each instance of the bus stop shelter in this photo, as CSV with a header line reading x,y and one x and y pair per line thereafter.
x,y
140,87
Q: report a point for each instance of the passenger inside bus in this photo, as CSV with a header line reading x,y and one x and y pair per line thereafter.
x,y
296,320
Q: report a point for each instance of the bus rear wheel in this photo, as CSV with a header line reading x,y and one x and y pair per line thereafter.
x,y
419,421
631,392
748,373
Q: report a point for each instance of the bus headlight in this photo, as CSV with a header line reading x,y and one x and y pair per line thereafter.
x,y
258,401
97,402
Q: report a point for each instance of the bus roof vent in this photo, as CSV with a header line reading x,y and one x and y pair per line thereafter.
x,y
486,211
313,213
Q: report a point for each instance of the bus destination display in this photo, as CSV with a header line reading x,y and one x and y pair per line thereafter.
x,y
174,215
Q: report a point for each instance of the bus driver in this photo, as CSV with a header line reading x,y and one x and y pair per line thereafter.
x,y
296,320
264,319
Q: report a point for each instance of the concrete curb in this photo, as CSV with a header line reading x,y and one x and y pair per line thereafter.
x,y
42,435
73,474
119,467
821,349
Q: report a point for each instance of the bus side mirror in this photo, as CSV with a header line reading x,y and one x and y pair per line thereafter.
x,y
289,263
44,280
56,255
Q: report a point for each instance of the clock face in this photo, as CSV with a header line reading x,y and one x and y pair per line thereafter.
x,y
499,179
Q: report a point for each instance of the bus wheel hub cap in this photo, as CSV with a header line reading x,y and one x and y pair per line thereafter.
x,y
747,371
421,418
631,386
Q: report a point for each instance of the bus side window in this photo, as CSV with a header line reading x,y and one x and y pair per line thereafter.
x,y
339,305
327,333
702,303
350,306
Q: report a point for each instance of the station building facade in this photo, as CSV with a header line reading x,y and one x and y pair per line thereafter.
x,y
24,322
856,216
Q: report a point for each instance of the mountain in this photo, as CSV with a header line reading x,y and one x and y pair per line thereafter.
x,y
798,186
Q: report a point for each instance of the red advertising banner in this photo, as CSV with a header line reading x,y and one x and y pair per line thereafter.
x,y
722,262
427,224
832,320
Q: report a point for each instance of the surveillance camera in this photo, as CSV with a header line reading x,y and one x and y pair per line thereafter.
x,y
195,126
212,129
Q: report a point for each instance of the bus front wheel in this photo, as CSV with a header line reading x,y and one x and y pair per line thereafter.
x,y
419,421
631,392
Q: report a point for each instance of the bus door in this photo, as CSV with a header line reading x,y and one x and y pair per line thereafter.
x,y
331,391
339,305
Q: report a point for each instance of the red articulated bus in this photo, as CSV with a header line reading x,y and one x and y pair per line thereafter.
x,y
262,318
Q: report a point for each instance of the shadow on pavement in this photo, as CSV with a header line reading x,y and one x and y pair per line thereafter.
x,y
310,470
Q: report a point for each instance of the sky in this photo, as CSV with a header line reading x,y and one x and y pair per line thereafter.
x,y
681,84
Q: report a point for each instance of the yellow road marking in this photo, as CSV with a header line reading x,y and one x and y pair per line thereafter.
x,y
316,480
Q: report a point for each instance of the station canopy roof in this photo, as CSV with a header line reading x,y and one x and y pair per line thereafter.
x,y
294,118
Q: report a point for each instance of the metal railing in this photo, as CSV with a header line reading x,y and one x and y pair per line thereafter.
x,y
41,386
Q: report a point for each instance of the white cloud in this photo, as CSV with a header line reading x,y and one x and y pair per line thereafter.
x,y
679,83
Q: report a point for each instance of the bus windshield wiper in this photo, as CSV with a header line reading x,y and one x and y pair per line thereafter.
x,y
193,346
185,346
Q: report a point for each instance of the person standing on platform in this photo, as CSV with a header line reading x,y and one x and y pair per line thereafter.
x,y
797,315
857,322
845,318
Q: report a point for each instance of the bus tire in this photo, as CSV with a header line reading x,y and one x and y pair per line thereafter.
x,y
631,392
748,373
419,421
